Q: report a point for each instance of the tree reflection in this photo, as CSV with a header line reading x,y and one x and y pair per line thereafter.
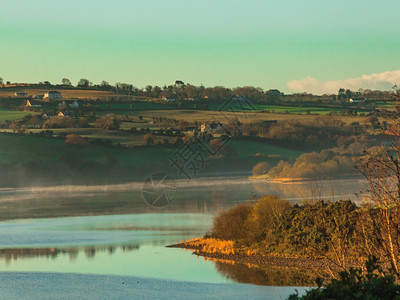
x,y
90,251
269,275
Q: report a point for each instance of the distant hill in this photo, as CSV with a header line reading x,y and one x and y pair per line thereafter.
x,y
69,93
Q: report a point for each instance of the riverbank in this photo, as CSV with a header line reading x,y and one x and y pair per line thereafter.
x,y
293,180
229,253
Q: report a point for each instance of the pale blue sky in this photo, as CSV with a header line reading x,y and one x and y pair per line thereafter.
x,y
232,43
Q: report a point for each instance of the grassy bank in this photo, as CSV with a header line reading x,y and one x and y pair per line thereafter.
x,y
29,158
270,232
231,251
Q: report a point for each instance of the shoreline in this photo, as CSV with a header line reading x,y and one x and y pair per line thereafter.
x,y
260,260
293,180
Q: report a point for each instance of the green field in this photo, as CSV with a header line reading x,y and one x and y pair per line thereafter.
x,y
282,109
23,149
12,115
251,149
143,107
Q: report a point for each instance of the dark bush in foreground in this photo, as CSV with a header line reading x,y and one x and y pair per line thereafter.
x,y
356,284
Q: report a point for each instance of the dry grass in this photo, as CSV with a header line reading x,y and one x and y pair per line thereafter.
x,y
205,115
212,245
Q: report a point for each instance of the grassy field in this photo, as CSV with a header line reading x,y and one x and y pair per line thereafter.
x,y
116,137
220,107
12,115
135,106
258,149
285,109
23,149
224,117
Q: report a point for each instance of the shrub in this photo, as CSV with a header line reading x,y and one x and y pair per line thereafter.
x,y
76,140
356,284
260,169
148,139
265,217
108,122
230,224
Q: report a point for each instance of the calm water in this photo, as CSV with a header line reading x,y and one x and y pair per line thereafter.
x,y
110,230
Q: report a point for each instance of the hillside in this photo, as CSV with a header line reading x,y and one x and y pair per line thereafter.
x,y
6,92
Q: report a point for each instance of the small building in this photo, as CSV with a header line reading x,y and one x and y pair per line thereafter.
x,y
20,94
356,100
210,127
273,92
33,104
52,95
70,103
61,114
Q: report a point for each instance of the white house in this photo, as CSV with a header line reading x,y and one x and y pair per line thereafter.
x,y
52,95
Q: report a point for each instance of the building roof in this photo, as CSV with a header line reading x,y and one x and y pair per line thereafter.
x,y
33,103
53,92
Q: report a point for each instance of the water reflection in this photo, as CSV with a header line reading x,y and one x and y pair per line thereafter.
x,y
269,275
111,230
127,259
198,196
13,254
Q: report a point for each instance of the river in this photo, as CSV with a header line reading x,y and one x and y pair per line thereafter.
x,y
112,234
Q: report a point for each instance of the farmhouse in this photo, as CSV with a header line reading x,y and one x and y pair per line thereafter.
x,y
33,104
52,95
20,94
168,99
356,100
210,127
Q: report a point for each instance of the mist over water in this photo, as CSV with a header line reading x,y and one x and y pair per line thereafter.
x,y
295,192
110,229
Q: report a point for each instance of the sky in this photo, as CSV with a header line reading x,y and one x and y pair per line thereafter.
x,y
312,46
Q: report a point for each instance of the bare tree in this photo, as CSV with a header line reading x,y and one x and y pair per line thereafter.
x,y
380,218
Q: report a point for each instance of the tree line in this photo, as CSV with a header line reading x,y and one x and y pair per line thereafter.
x,y
181,90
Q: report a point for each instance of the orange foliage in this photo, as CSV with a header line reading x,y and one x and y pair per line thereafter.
x,y
212,246
76,140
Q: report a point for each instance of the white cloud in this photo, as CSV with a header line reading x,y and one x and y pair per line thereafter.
x,y
376,81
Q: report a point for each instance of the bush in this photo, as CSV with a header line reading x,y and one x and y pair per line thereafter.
x,y
264,218
75,139
230,224
148,139
321,228
356,284
59,122
108,122
260,168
